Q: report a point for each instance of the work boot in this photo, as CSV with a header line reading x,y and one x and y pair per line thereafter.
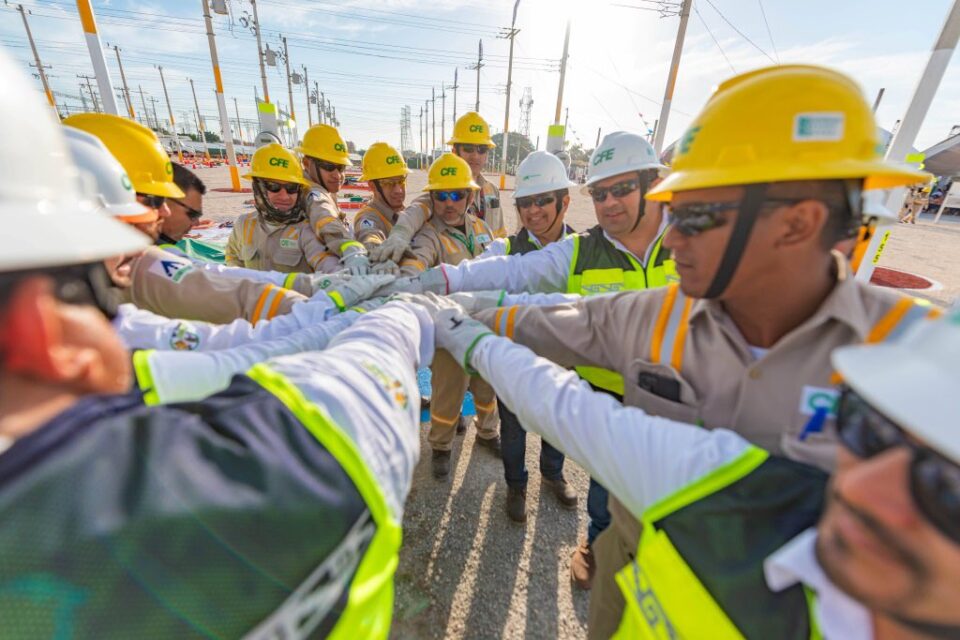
x,y
462,425
491,444
563,492
583,566
517,503
440,463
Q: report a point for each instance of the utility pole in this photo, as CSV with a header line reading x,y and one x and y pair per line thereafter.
x,y
876,103
201,129
143,103
906,135
306,85
156,118
263,68
478,66
443,114
455,87
419,158
236,111
89,22
433,108
661,131
173,123
36,57
93,96
597,143
126,90
286,60
506,116
426,135
83,98
221,105
316,89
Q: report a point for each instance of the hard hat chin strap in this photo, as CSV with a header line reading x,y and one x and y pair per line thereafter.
x,y
644,180
746,219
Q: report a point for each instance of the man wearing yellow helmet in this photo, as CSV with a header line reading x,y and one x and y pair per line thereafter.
x,y
277,236
325,159
452,235
385,170
743,341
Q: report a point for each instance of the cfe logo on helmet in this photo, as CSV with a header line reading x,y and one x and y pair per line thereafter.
x,y
125,181
603,156
687,140
476,128
393,160
168,168
279,162
339,147
448,171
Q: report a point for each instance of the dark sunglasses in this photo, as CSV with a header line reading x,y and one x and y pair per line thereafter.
x,y
275,187
83,284
482,149
934,480
192,213
695,218
619,190
153,202
452,196
329,166
541,201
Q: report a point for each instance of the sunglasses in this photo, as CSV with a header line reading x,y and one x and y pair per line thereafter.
x,y
934,480
150,201
619,190
84,284
392,183
528,201
192,213
275,187
482,149
331,167
452,196
695,218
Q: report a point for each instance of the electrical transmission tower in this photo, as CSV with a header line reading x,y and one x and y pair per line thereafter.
x,y
406,133
526,104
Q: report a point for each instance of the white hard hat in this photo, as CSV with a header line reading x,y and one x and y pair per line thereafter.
x,y
105,181
541,172
620,152
46,221
927,356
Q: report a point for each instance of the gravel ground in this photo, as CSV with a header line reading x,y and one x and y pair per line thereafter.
x,y
466,570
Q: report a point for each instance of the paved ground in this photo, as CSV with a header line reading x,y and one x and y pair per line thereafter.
x,y
466,571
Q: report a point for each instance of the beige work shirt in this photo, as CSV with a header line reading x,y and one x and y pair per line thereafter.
x,y
373,223
290,248
328,222
436,243
171,286
486,206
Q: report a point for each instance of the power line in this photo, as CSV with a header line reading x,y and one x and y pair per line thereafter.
x,y
714,38
769,32
742,34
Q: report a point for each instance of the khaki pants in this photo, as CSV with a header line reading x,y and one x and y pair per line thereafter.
x,y
613,549
450,384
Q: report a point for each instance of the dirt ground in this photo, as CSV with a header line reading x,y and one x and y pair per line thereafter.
x,y
466,570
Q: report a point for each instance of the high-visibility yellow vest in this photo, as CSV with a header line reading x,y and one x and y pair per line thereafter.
x,y
599,267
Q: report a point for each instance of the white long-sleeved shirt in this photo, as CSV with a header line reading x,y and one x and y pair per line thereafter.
x,y
142,329
642,459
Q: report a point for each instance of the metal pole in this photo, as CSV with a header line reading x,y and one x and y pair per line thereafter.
x,y
876,103
506,116
306,84
905,136
126,90
433,108
93,95
236,111
89,23
36,57
420,155
479,65
455,87
173,122
563,72
443,113
221,105
260,56
200,124
316,90
83,98
661,131
156,118
143,103
286,58
597,143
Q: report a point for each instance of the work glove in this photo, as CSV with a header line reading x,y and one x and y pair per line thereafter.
x,y
357,263
323,281
459,334
368,305
392,248
347,293
477,301
431,302
432,281
388,267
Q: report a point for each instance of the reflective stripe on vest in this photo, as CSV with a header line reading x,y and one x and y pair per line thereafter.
x,y
370,604
597,266
661,586
670,331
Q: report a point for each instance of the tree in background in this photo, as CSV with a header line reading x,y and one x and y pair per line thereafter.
x,y
517,142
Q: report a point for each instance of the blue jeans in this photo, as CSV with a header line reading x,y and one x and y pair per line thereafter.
x,y
513,445
597,510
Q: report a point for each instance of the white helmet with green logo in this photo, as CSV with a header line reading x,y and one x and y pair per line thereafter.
x,y
621,152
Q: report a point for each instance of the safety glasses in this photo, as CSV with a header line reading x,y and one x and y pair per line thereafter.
x,y
275,187
618,190
482,149
84,284
695,218
150,201
452,196
934,480
541,201
331,167
192,213
392,183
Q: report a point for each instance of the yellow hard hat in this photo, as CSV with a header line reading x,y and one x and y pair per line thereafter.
x,y
470,128
273,162
136,147
324,142
450,173
383,161
791,122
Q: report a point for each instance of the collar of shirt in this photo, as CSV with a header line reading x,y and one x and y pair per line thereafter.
x,y
385,209
646,254
840,616
843,304
539,245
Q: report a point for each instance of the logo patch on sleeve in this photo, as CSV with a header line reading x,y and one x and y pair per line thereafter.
x,y
171,269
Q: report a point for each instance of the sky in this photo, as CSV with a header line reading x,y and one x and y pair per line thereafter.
x,y
372,58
